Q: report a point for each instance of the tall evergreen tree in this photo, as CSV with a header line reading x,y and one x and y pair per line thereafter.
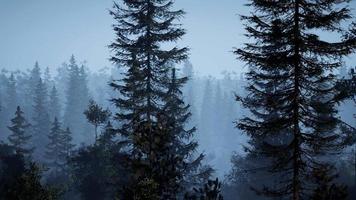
x,y
12,101
180,146
41,121
47,78
55,150
3,112
54,106
206,123
292,88
76,101
33,80
68,145
20,136
189,93
141,29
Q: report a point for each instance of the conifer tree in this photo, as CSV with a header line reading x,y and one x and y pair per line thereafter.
x,y
68,145
189,93
20,137
292,88
141,29
34,79
55,150
206,123
54,107
182,148
76,101
12,100
96,115
47,78
41,121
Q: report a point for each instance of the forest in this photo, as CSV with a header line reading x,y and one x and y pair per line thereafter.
x,y
151,127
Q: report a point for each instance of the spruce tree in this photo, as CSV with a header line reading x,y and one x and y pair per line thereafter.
x,y
76,101
55,150
183,163
291,89
41,121
11,91
141,29
189,93
68,145
32,83
20,137
54,108
206,123
47,78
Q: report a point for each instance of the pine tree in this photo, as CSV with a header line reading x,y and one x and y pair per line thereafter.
x,y
206,123
54,107
68,145
41,121
3,112
96,115
32,83
292,88
76,101
175,116
141,29
189,93
12,100
55,150
47,78
20,137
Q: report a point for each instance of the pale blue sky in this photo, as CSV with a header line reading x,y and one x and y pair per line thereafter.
x,y
51,30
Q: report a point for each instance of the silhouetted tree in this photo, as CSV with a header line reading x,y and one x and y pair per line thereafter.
x,y
291,88
76,101
41,122
54,108
68,144
141,29
11,92
96,115
56,153
20,136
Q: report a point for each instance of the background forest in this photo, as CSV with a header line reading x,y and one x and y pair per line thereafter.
x,y
152,127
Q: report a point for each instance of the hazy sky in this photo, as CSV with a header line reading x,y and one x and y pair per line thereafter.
x,y
51,30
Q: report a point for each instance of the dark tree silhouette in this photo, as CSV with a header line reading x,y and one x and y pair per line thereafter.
x,y
96,115
20,135
141,29
292,93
